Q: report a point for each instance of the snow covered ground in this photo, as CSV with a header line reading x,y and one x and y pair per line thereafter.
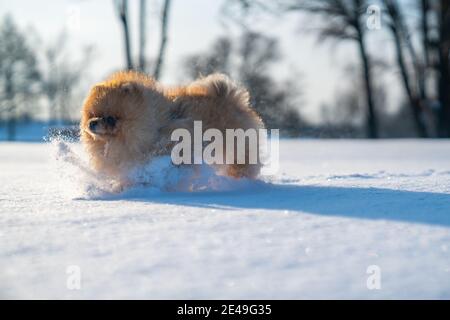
x,y
336,209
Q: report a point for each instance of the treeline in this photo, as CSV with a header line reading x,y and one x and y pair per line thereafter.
x,y
36,79
420,35
33,78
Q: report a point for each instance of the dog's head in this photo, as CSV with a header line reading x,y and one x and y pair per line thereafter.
x,y
110,110
120,116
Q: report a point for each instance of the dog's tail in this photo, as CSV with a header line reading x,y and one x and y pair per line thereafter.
x,y
225,93
216,85
229,94
221,86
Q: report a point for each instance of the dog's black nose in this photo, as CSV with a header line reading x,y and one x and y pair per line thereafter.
x,y
93,124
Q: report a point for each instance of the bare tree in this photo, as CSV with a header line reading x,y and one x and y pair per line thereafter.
x,y
402,37
121,6
443,17
19,75
249,60
61,76
163,43
435,32
122,11
218,60
420,64
142,33
344,20
425,27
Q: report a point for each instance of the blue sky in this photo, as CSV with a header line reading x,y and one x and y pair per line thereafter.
x,y
193,27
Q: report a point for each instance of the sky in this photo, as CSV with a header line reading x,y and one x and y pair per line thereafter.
x,y
194,25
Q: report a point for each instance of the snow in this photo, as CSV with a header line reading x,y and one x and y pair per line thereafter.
x,y
335,209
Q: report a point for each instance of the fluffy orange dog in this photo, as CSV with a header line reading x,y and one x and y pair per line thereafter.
x,y
129,118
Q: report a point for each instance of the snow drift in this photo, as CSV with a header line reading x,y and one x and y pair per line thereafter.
x,y
156,176
335,211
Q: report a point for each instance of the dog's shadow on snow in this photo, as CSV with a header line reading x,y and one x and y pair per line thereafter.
x,y
364,203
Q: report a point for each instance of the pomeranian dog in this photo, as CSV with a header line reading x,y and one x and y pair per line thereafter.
x,y
128,119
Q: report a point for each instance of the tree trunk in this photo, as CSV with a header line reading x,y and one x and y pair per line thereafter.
x,y
142,34
425,43
10,106
398,30
444,72
371,121
162,47
414,101
123,14
419,66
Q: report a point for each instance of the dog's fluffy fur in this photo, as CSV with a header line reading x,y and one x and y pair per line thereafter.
x,y
128,119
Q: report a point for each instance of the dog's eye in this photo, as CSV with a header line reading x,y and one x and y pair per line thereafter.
x,y
111,121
